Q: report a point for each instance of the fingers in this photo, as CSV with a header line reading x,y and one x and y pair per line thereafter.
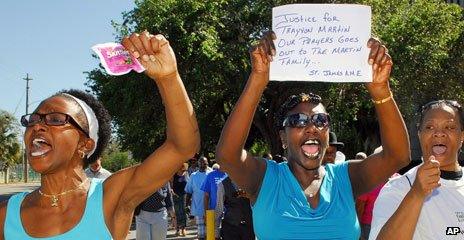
x,y
380,54
270,37
126,42
145,39
431,162
265,47
158,42
386,60
374,45
135,40
144,45
428,176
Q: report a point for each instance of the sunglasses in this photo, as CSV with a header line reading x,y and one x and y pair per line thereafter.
x,y
450,103
50,119
300,120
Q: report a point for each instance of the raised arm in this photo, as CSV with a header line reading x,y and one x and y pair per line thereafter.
x,y
244,169
377,168
125,189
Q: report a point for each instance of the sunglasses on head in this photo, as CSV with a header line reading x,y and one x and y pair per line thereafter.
x,y
50,119
300,120
450,103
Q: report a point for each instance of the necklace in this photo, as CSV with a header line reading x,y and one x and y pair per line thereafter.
x,y
313,188
54,197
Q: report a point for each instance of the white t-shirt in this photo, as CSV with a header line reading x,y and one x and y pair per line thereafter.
x,y
101,174
442,212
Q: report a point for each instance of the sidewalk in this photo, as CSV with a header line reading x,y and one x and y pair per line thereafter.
x,y
191,234
6,190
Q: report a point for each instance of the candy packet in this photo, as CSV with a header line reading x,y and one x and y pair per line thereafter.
x,y
116,59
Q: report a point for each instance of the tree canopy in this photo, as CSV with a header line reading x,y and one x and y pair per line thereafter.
x,y
10,152
211,40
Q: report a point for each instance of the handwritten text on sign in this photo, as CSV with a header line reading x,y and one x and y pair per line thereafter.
x,y
321,42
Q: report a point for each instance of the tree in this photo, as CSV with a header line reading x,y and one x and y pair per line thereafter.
x,y
10,152
114,159
211,39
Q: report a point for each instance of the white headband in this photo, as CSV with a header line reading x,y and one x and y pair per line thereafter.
x,y
91,120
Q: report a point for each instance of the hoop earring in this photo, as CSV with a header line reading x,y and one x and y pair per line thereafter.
x,y
81,153
284,146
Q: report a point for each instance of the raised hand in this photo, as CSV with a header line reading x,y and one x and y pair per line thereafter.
x,y
381,65
262,53
153,52
427,177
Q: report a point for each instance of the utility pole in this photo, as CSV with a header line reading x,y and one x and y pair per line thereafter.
x,y
25,166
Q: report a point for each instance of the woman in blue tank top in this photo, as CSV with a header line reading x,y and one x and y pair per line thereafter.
x,y
300,199
70,130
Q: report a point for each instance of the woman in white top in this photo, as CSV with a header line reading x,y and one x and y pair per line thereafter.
x,y
428,201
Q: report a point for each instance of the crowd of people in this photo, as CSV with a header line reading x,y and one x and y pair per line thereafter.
x,y
305,194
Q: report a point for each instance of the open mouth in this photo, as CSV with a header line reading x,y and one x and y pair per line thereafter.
x,y
311,148
39,147
439,149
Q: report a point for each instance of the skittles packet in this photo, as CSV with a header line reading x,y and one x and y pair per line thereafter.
x,y
116,59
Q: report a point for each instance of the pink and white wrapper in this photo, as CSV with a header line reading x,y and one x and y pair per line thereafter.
x,y
116,59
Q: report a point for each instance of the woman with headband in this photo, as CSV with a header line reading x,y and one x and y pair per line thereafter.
x,y
70,130
300,199
427,202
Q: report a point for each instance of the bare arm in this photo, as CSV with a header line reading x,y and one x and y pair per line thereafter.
x,y
360,205
124,190
244,169
206,201
377,168
402,224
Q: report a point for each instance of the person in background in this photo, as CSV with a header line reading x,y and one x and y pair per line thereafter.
x,y
365,204
279,158
237,223
195,196
209,187
267,156
331,152
427,202
193,165
95,170
152,215
360,156
179,182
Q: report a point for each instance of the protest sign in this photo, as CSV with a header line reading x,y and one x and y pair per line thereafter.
x,y
321,42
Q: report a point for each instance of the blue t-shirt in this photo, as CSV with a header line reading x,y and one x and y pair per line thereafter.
x,y
91,226
210,186
194,187
281,210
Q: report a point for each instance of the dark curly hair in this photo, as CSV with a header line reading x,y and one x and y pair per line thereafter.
x,y
103,117
292,102
450,103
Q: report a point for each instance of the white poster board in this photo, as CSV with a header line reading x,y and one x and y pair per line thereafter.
x,y
321,42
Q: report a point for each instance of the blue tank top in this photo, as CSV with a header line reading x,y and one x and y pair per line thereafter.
x,y
91,226
281,210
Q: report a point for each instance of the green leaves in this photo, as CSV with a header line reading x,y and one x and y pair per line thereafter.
x,y
211,40
10,152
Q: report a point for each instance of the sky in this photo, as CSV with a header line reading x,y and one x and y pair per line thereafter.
x,y
51,41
